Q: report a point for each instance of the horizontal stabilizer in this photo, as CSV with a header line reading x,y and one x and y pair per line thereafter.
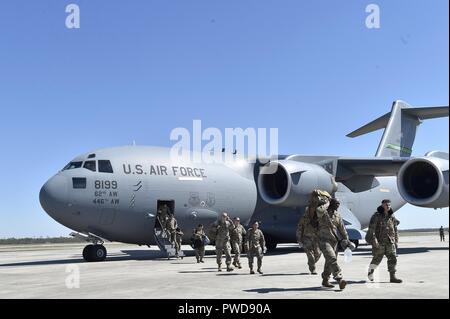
x,y
422,113
375,125
400,128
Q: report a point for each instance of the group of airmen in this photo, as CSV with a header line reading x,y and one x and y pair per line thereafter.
x,y
170,226
229,236
320,231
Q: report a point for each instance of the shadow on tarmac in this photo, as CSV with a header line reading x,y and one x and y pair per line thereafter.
x,y
401,251
319,288
142,255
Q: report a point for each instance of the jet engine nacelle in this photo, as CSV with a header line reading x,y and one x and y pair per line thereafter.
x,y
423,181
290,183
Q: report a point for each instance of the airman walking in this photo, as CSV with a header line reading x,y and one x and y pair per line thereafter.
x,y
198,242
236,235
383,236
222,238
331,232
256,247
307,235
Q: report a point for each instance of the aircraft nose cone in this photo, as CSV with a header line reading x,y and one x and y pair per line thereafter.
x,y
53,196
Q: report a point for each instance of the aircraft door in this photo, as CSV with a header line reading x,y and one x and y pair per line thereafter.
x,y
163,209
164,239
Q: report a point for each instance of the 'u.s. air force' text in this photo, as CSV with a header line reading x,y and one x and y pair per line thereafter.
x,y
183,171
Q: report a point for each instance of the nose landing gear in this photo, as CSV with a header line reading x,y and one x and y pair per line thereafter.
x,y
95,251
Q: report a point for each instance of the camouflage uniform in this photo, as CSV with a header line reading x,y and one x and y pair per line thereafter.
x,y
383,236
256,245
178,239
163,215
171,227
307,235
198,243
237,234
223,242
330,224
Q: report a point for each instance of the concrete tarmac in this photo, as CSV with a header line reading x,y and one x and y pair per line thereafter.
x,y
58,271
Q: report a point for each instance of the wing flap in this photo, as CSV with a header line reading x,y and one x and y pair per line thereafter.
x,y
346,168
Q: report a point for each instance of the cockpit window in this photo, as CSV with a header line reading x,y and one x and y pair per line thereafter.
x,y
104,166
73,165
90,165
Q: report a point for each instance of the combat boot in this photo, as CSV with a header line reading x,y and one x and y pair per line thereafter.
x,y
219,268
229,268
371,272
239,265
260,271
342,284
394,279
313,271
251,271
326,283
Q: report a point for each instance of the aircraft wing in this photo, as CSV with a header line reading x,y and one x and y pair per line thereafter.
x,y
344,168
347,168
358,174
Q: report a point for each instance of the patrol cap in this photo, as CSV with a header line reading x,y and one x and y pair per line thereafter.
x,y
237,218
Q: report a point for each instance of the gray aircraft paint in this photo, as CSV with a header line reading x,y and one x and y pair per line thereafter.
x,y
196,200
144,175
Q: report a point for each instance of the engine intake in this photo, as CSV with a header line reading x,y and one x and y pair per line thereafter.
x,y
290,183
423,182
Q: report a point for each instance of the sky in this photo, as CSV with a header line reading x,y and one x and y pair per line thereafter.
x,y
135,70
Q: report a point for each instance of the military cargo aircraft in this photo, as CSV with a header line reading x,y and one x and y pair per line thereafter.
x,y
115,193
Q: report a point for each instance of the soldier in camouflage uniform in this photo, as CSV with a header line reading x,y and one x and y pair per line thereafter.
x,y
163,214
223,228
330,224
171,227
236,235
178,240
383,237
307,235
198,242
256,246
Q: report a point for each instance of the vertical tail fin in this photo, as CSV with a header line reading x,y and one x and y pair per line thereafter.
x,y
400,128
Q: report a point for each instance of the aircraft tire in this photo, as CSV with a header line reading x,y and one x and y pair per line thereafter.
x,y
98,252
87,252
